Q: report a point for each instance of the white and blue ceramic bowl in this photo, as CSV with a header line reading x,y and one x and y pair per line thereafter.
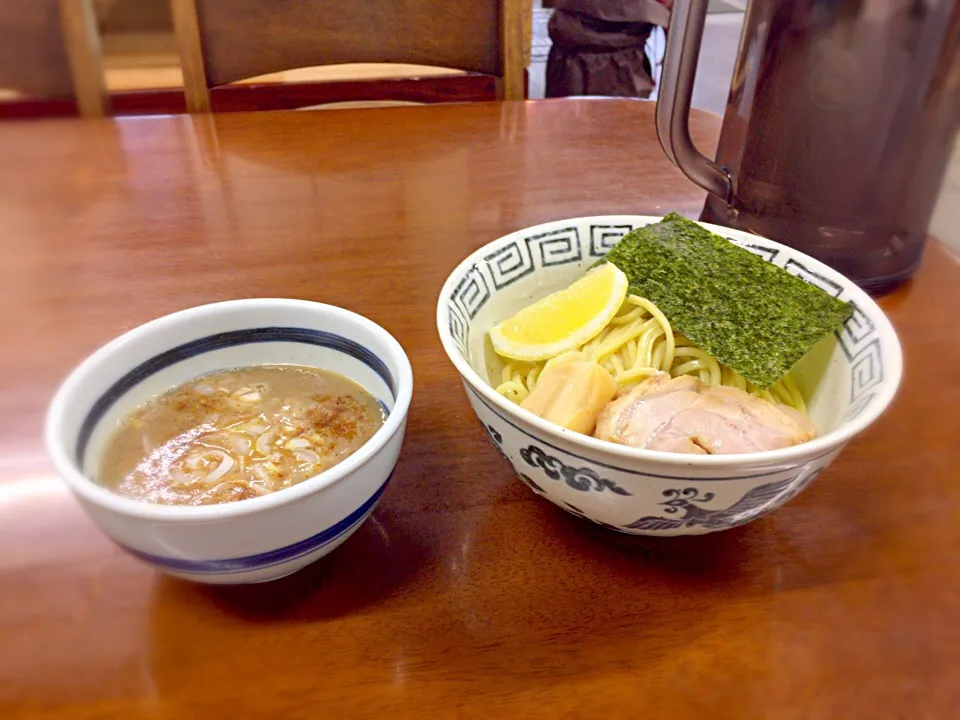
x,y
251,540
848,379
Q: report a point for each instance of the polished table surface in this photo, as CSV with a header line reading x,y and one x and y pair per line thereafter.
x,y
464,595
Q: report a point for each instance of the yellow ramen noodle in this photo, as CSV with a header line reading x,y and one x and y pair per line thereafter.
x,y
638,343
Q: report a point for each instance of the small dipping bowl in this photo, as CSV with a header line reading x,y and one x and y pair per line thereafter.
x,y
848,380
251,540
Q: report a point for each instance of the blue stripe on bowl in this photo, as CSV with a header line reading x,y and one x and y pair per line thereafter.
x,y
217,342
267,559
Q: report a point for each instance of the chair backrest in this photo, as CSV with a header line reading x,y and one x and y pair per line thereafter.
x,y
50,50
222,41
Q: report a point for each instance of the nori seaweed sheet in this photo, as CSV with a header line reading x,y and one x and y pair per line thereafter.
x,y
751,315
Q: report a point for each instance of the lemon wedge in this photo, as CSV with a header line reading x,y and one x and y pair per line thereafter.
x,y
564,320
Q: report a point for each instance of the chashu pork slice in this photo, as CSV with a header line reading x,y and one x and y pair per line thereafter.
x,y
686,415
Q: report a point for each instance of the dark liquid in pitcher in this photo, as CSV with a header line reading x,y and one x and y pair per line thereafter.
x,y
841,120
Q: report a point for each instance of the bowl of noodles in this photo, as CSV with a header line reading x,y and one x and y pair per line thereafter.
x,y
643,431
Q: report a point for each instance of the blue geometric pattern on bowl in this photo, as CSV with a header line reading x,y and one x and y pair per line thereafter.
x,y
753,504
524,255
688,500
579,478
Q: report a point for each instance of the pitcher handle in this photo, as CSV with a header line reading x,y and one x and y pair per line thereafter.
x,y
673,100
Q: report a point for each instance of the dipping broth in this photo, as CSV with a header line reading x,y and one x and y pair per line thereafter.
x,y
238,434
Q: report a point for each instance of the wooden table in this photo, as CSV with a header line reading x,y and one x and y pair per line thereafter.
x,y
464,595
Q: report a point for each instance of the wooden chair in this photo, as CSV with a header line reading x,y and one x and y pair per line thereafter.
x,y
50,57
223,41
